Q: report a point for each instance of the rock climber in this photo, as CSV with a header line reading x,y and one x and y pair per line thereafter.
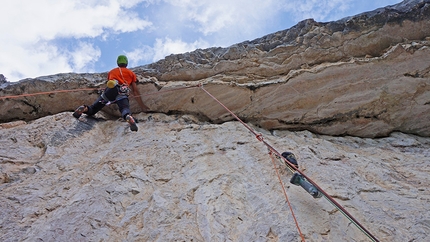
x,y
120,80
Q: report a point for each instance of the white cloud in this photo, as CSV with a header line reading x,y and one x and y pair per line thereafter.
x,y
23,62
225,22
239,16
28,28
320,10
138,55
45,58
48,19
163,48
84,56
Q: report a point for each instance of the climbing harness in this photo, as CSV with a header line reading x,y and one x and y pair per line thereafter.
x,y
123,91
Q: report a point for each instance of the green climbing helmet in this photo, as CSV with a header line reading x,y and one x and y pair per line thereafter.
x,y
122,59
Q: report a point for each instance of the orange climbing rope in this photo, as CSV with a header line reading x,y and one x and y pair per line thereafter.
x,y
326,195
85,89
164,91
49,92
286,196
260,138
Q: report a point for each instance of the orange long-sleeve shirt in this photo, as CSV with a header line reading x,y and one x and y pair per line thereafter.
x,y
122,75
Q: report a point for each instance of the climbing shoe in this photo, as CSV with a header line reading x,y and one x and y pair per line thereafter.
x,y
78,112
131,122
291,158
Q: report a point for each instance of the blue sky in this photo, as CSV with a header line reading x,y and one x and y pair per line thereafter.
x,y
46,37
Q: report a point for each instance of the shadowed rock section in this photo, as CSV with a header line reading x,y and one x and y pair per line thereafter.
x,y
366,75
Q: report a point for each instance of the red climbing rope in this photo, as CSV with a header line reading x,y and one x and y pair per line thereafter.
x,y
286,196
49,92
164,91
326,195
87,89
260,138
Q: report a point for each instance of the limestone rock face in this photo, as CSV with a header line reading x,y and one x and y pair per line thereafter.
x,y
366,76
350,98
178,179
